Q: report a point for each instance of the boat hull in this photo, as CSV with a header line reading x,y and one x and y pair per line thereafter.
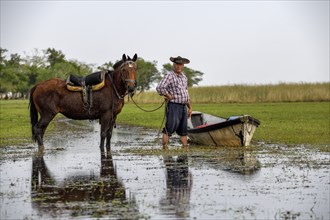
x,y
227,132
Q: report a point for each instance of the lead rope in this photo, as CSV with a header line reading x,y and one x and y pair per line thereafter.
x,y
153,110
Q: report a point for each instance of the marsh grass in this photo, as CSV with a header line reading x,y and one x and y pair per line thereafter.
x,y
303,92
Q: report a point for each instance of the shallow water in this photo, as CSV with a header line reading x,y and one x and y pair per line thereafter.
x,y
72,180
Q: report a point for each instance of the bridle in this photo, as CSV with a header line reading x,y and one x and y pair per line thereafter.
x,y
124,80
131,64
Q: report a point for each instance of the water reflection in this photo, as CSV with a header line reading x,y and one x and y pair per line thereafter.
x,y
178,186
237,160
104,194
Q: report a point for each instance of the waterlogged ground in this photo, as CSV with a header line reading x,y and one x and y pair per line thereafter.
x,y
139,181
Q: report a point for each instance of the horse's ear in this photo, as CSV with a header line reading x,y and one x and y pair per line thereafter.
x,y
135,57
124,57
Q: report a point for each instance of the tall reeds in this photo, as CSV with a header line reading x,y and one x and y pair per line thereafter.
x,y
283,92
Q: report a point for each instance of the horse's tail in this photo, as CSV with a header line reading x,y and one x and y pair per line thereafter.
x,y
33,113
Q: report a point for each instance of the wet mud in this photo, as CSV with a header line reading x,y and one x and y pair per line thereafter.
x,y
140,181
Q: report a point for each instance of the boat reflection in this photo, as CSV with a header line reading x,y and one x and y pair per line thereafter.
x,y
104,194
178,187
237,160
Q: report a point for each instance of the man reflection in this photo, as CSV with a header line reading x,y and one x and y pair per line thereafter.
x,y
178,185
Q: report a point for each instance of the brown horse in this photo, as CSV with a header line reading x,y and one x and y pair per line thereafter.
x,y
52,96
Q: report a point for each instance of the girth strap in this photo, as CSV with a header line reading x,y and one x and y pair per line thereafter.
x,y
84,93
87,97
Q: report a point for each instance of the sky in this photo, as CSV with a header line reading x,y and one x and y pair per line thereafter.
x,y
231,42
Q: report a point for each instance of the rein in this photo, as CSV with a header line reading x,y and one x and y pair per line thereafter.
x,y
114,88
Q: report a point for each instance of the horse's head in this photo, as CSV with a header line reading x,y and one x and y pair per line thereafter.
x,y
128,72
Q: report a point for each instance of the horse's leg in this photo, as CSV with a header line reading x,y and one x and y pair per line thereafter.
x,y
40,128
103,135
109,135
104,121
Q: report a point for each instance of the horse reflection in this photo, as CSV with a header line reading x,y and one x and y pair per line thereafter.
x,y
178,184
76,191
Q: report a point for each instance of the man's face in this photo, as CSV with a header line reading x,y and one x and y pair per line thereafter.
x,y
178,68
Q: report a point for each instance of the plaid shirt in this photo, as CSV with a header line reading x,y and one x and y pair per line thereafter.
x,y
176,85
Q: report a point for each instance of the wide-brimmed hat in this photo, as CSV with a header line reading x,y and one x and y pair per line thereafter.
x,y
179,60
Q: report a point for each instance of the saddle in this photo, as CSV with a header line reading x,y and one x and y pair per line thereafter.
x,y
86,85
95,81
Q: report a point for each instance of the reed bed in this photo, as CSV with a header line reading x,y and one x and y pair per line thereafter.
x,y
283,92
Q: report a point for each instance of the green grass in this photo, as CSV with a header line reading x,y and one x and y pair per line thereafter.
x,y
14,122
15,127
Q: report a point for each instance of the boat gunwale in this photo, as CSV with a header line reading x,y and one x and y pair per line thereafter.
x,y
225,124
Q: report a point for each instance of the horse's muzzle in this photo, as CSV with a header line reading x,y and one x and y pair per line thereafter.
x,y
130,85
131,89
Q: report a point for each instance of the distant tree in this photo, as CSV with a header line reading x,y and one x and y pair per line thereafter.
x,y
80,68
54,57
2,58
106,66
12,78
37,59
194,76
20,74
15,60
147,73
33,65
2,55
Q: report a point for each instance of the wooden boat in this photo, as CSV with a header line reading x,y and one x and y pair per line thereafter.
x,y
212,130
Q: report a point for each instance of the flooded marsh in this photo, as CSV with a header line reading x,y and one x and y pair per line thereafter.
x,y
140,181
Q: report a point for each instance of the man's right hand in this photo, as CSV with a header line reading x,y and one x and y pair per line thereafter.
x,y
169,97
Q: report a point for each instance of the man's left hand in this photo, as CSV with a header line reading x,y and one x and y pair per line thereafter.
x,y
189,112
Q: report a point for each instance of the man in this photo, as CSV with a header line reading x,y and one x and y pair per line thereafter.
x,y
174,87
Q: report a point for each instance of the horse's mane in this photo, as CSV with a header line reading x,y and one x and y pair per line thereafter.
x,y
116,65
120,62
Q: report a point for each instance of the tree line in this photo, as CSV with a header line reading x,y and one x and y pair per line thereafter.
x,y
19,74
